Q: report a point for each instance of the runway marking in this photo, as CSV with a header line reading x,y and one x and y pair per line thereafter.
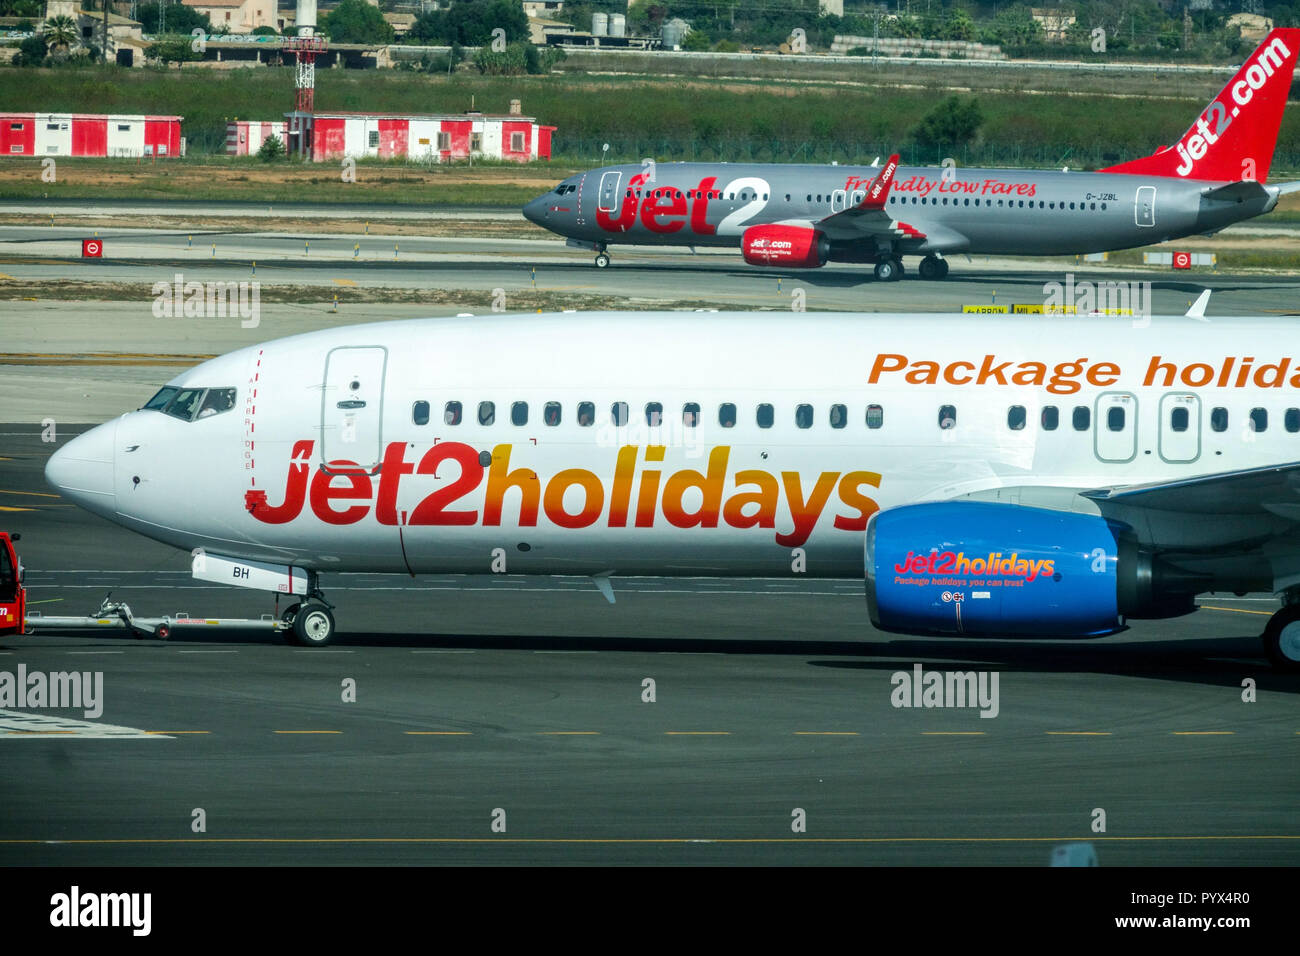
x,y
697,733
1234,610
27,724
207,652
178,732
444,652
10,508
568,733
1203,733
306,731
439,733
91,653
1078,733
826,733
952,733
346,281
299,841
29,494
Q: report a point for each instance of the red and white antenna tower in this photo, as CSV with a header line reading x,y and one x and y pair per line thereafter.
x,y
306,46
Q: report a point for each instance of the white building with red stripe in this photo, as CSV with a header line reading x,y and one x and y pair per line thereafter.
x,y
85,134
245,137
428,138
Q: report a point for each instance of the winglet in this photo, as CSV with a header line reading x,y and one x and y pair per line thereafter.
x,y
1197,311
878,191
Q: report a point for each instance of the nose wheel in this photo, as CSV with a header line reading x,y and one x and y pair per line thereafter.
x,y
602,261
311,622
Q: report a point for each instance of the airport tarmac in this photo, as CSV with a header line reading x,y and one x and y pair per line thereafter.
x,y
490,698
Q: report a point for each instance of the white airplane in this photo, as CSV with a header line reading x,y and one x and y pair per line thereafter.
x,y
1033,475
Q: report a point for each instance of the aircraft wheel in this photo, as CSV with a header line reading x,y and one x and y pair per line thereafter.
x,y
313,625
1282,639
287,616
898,264
887,270
602,261
932,268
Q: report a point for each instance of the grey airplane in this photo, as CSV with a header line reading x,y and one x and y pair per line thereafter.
x,y
803,216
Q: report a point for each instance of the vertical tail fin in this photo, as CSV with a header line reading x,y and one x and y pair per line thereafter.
x,y
1234,137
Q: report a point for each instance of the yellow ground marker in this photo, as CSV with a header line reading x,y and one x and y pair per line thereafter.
x,y
306,731
1234,610
440,733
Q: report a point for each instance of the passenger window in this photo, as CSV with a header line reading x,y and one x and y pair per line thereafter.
x,y
1178,418
1259,419
586,413
839,416
1082,418
654,414
1292,419
217,400
947,416
765,416
691,414
1016,417
727,415
618,413
1219,419
803,416
519,413
551,413
1115,418
1049,418
875,416
451,415
487,413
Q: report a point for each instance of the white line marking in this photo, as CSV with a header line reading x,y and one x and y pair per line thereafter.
x,y
17,724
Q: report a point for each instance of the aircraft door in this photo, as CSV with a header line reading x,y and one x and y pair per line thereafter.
x,y
352,405
1144,206
1115,429
609,184
1180,427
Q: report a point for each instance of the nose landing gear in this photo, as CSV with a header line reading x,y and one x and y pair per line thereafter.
x,y
311,621
932,267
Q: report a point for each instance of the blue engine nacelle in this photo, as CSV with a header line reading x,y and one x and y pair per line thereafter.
x,y
973,567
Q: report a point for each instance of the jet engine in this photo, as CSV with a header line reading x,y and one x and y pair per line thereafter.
x,y
791,247
986,568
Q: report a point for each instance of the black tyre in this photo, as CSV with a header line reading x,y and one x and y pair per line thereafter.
x,y
1282,639
932,268
313,625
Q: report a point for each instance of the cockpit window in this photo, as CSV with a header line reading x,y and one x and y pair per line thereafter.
x,y
565,188
160,400
217,400
185,404
189,404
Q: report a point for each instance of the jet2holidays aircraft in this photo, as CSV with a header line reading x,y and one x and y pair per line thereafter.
x,y
803,216
1045,475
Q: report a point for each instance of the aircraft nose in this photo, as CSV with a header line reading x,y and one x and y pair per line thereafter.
x,y
536,210
82,470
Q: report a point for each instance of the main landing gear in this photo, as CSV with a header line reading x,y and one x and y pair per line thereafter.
x,y
932,267
1282,639
311,622
889,270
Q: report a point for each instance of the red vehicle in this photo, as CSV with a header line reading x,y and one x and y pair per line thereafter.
x,y
13,596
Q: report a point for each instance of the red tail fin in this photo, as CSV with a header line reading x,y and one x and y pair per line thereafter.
x,y
878,191
1233,138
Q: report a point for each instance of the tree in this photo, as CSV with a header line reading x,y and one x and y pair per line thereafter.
x,y
272,148
265,31
180,19
31,52
953,122
172,50
60,33
471,22
355,21
20,8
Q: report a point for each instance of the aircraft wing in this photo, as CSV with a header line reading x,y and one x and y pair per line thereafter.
x,y
1238,510
869,220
